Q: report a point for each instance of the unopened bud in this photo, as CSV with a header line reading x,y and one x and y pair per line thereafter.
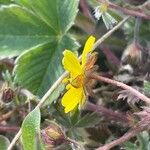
x,y
7,95
132,54
53,135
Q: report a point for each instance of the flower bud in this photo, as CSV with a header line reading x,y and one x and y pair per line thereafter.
x,y
53,135
7,95
132,54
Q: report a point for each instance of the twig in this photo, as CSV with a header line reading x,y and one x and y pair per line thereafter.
x,y
122,139
74,144
84,7
137,29
137,13
55,85
49,92
4,128
110,55
122,85
105,36
7,115
27,93
116,116
15,139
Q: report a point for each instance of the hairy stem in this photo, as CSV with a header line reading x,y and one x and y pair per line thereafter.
x,y
137,29
84,7
8,129
116,116
122,139
105,36
49,92
137,13
121,85
7,115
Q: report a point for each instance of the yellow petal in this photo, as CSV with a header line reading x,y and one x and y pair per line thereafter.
x,y
72,98
68,86
82,102
65,80
71,63
87,48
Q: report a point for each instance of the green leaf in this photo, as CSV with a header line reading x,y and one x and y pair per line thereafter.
x,y
54,96
40,67
89,120
30,129
142,143
147,87
144,140
5,2
130,146
58,14
4,143
21,29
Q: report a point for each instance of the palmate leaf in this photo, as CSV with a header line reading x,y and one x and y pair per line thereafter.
x,y
38,27
20,29
58,14
39,67
89,120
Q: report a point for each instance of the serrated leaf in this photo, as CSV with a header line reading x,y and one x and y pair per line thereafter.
x,y
58,14
21,29
30,129
4,143
89,120
40,67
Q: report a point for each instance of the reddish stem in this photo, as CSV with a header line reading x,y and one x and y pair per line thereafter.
x,y
116,116
109,55
7,115
137,13
84,7
122,139
121,85
8,128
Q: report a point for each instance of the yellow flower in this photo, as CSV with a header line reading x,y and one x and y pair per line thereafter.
x,y
75,96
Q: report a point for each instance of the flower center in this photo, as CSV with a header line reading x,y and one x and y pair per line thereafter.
x,y
78,81
104,7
